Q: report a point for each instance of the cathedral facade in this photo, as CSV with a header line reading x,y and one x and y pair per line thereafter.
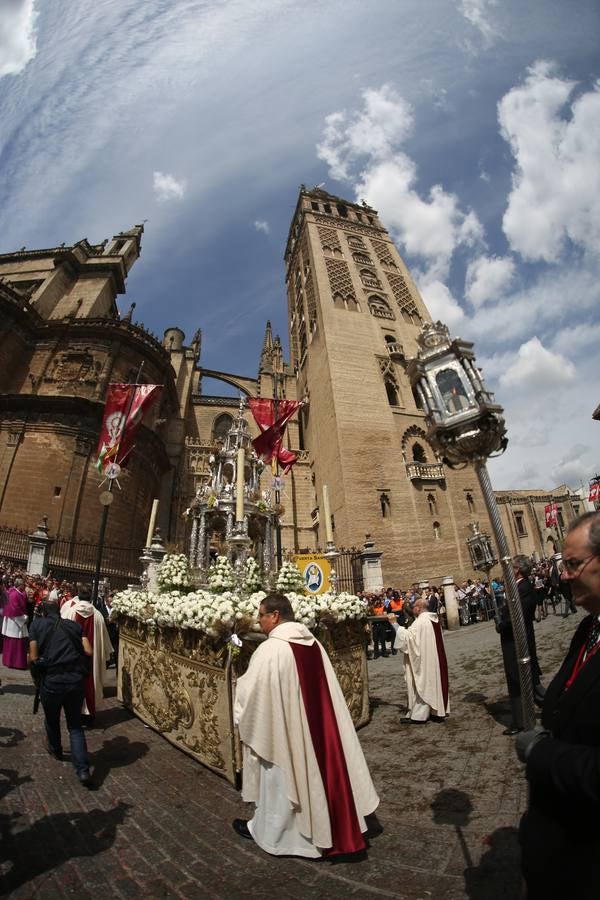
x,y
354,314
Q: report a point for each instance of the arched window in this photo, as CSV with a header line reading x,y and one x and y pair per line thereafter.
x,y
391,389
432,503
418,454
342,210
470,502
384,501
380,308
221,426
362,259
437,531
369,278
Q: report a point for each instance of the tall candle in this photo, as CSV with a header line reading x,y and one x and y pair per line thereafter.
x,y
239,486
327,515
152,522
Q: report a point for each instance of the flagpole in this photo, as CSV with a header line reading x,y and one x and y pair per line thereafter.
x,y
106,506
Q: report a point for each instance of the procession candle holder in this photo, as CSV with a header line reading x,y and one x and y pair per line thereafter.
x,y
466,427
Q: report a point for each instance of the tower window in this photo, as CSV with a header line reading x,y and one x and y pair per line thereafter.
x,y
221,426
437,531
380,308
384,502
432,503
520,524
470,502
314,205
418,454
391,389
342,210
327,208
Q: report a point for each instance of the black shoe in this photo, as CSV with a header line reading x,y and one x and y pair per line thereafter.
x,y
510,732
85,778
394,652
240,826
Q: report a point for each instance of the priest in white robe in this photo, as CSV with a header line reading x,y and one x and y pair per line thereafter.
x,y
304,768
425,665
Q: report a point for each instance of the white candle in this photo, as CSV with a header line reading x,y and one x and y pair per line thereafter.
x,y
327,515
152,523
239,487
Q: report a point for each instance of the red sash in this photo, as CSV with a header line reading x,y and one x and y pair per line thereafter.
x,y
443,662
345,831
580,661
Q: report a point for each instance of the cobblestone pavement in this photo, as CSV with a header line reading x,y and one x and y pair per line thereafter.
x,y
159,825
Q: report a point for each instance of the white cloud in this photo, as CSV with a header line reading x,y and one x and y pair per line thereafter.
x,y
440,303
575,466
383,123
17,36
262,225
167,187
555,194
476,12
487,278
363,147
537,368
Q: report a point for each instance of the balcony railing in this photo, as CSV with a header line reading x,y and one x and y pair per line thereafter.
x,y
395,349
425,471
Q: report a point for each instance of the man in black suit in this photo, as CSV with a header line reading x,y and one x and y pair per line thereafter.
x,y
522,570
560,832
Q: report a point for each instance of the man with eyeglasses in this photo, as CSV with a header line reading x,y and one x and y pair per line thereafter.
x,y
560,832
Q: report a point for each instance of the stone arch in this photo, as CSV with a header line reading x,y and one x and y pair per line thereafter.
x,y
246,385
411,434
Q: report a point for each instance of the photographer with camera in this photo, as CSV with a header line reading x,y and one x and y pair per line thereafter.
x,y
58,656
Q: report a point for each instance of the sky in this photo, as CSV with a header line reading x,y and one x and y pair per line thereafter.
x,y
472,126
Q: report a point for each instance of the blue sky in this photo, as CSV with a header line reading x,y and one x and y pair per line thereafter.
x,y
473,126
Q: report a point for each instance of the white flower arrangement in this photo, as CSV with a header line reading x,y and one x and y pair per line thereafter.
x,y
134,604
221,576
252,576
290,578
174,573
220,611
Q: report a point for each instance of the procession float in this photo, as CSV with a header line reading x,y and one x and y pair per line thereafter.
x,y
188,631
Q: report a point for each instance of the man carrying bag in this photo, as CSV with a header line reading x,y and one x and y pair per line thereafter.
x,y
58,655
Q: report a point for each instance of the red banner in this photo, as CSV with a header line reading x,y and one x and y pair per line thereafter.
x,y
551,512
269,444
594,494
116,435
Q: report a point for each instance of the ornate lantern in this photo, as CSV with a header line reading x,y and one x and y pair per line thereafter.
x,y
465,427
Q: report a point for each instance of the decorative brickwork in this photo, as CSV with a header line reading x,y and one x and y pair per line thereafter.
x,y
329,239
401,292
339,279
383,254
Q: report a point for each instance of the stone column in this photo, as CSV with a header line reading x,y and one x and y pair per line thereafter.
x,y
371,567
450,603
39,549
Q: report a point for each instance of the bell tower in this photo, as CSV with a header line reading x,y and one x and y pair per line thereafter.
x,y
354,315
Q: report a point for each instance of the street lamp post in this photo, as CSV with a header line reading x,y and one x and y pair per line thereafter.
x,y
482,556
466,427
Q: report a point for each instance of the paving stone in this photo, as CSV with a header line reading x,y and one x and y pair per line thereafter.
x,y
159,825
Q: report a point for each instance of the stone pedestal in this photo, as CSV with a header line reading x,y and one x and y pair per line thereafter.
x,y
450,603
39,549
371,567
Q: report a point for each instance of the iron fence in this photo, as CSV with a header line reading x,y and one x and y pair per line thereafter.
x,y
74,560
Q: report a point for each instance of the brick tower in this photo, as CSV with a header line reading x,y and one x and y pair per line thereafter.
x,y
354,314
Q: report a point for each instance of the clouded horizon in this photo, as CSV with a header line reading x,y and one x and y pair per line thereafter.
x,y
472,126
